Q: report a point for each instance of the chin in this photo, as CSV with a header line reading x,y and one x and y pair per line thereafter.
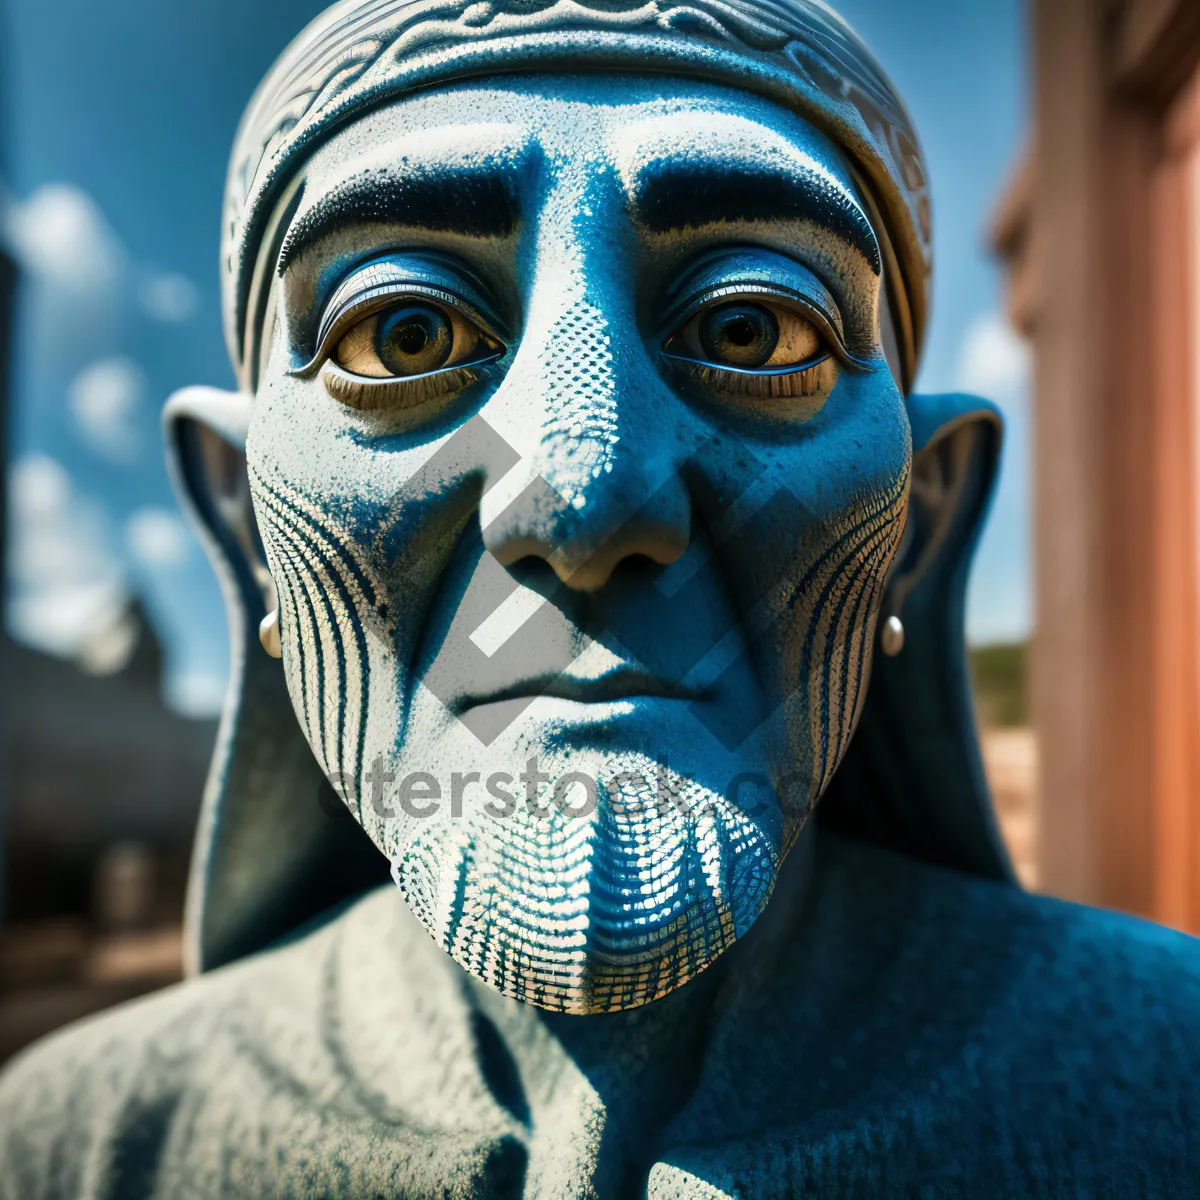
x,y
598,903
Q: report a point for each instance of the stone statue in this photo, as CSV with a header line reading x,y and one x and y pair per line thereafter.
x,y
576,477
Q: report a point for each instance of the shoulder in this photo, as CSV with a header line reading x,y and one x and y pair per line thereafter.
x,y
1086,974
919,1031
90,1109
936,903
1033,1038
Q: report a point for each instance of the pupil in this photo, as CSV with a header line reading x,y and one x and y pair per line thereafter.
x,y
740,335
414,339
741,332
411,337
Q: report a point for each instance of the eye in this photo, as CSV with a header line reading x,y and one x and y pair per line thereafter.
x,y
747,335
752,350
414,337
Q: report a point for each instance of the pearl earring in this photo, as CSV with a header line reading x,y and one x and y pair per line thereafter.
x,y
891,638
268,634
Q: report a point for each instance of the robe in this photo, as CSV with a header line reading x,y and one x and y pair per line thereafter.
x,y
889,1027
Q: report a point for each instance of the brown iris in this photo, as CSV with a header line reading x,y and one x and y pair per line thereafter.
x,y
413,339
406,340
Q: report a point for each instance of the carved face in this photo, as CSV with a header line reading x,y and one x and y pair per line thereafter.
x,y
579,470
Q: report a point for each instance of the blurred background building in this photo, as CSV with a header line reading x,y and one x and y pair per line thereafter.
x,y
103,787
1100,231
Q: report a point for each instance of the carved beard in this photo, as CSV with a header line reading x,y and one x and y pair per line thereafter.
x,y
580,912
595,911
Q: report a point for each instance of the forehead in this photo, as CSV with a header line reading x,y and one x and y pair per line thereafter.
x,y
528,126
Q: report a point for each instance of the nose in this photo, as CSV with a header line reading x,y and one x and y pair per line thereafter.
x,y
584,546
597,481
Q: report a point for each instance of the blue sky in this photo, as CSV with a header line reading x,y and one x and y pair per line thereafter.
x,y
120,116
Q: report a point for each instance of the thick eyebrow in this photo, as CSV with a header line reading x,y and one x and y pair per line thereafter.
x,y
674,193
474,199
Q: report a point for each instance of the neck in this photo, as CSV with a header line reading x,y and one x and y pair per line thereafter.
x,y
601,1089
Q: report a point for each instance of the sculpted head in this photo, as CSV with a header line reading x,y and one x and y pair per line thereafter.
x,y
580,458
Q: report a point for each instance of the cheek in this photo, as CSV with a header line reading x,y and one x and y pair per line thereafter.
x,y
826,621
356,532
816,556
333,605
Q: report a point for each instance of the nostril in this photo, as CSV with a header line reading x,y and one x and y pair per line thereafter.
x,y
629,515
534,572
590,569
638,569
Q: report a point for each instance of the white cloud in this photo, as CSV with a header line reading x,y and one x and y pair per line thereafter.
x,y
38,487
197,695
60,237
66,582
64,244
993,361
106,400
158,538
168,297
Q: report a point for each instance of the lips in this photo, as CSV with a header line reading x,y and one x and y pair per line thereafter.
x,y
620,683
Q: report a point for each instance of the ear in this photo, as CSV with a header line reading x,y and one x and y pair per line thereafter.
x,y
913,777
205,432
274,846
956,450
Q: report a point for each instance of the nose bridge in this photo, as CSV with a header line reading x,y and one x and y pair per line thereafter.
x,y
580,404
577,381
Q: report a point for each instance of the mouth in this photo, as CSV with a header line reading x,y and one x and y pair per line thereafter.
x,y
622,683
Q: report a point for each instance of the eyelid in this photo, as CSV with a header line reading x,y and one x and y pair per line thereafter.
x,y
380,284
745,269
827,324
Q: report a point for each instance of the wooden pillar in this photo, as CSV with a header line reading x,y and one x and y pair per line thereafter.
x,y
1115,324
1175,313
1066,220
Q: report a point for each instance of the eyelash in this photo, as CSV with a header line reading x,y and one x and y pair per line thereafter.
x,y
373,300
368,395
794,383
406,393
